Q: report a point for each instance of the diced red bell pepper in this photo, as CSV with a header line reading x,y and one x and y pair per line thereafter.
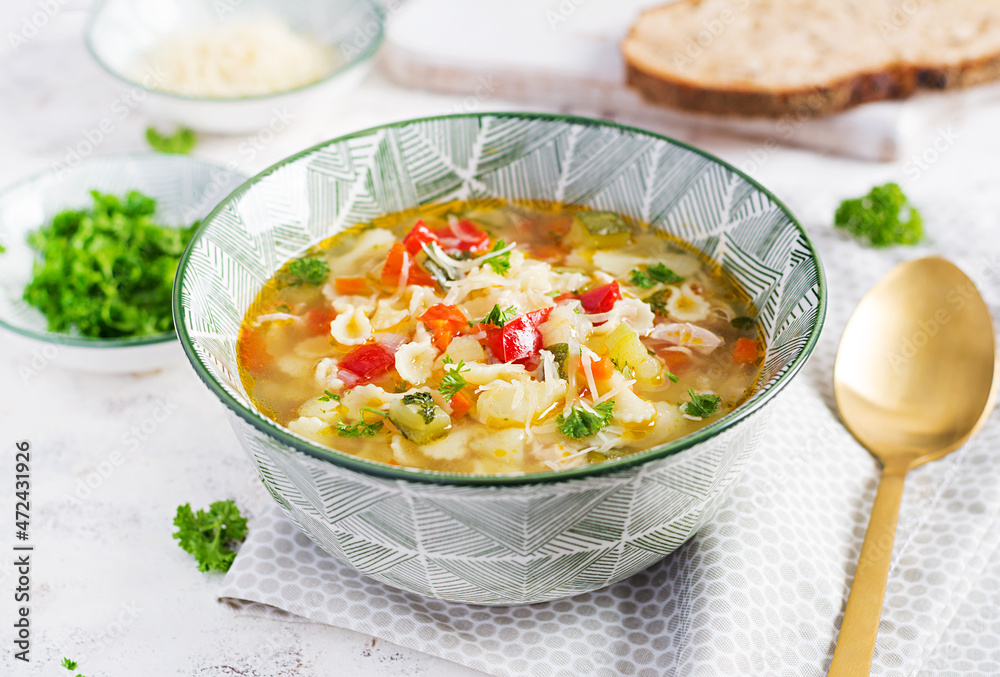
x,y
462,237
444,322
519,338
368,361
394,265
470,238
601,299
418,236
318,320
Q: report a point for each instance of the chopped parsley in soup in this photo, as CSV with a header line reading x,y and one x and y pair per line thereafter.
x,y
498,338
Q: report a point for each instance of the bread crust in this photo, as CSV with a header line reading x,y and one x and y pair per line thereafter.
x,y
890,83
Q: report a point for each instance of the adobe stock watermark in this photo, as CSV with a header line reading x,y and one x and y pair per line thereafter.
x,y
925,159
955,298
364,34
106,638
563,11
784,129
248,150
37,362
711,30
33,24
121,108
899,15
132,440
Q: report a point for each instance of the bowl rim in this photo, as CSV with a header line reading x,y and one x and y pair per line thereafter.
x,y
358,60
417,475
70,340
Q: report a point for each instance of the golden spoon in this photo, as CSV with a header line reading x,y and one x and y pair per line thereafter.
x,y
914,380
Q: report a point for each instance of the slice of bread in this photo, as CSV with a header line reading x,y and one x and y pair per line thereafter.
x,y
775,58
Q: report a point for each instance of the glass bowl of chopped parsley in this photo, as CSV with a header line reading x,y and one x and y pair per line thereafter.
x,y
89,255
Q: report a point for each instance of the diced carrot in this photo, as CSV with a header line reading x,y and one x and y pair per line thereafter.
x,y
745,351
394,265
601,369
252,350
548,253
352,285
441,333
677,361
460,404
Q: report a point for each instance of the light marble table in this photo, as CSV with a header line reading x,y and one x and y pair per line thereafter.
x,y
110,587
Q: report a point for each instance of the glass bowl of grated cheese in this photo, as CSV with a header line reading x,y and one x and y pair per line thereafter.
x,y
236,66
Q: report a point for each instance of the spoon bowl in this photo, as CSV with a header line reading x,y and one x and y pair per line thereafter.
x,y
915,378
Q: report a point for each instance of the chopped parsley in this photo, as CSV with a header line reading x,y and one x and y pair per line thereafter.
x,y
742,323
655,274
701,405
106,271
361,428
327,396
400,386
207,534
581,423
622,366
671,375
500,263
425,404
452,381
68,664
498,317
180,142
308,271
658,302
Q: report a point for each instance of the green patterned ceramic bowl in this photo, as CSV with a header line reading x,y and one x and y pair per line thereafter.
x,y
508,539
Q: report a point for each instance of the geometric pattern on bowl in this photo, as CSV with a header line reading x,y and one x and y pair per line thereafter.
x,y
509,539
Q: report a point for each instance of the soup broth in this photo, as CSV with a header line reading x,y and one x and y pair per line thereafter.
x,y
497,338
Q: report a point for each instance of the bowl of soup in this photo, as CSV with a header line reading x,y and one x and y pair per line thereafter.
x,y
499,358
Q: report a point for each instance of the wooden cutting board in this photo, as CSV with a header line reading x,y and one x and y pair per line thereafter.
x,y
564,55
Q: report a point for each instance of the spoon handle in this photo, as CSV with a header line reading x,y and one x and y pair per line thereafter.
x,y
856,643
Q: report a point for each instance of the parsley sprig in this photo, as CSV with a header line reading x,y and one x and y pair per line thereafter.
x,y
361,428
180,142
498,317
658,302
581,423
501,262
655,274
701,405
452,381
328,396
208,533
